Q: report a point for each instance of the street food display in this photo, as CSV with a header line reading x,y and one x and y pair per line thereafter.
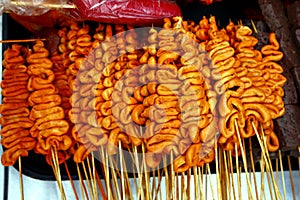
x,y
179,91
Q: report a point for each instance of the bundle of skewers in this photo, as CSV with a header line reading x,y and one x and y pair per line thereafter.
x,y
175,101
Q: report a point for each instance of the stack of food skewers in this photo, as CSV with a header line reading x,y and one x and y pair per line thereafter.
x,y
171,99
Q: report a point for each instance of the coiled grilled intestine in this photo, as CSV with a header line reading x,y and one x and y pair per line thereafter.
x,y
63,77
202,32
61,81
152,43
13,57
80,46
98,36
82,113
181,94
155,110
276,80
166,41
15,122
121,39
221,54
274,83
266,75
231,106
231,32
50,128
247,56
204,140
63,50
247,60
223,76
131,40
102,69
81,84
258,97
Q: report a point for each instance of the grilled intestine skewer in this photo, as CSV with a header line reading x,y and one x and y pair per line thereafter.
x,y
50,128
15,119
271,56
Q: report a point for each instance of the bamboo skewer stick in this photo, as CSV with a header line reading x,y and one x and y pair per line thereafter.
x,y
104,196
21,178
249,172
269,165
253,167
93,175
122,171
291,177
196,182
270,171
277,171
231,174
166,177
114,165
71,181
228,191
47,5
244,159
269,183
182,182
263,169
201,187
140,190
282,175
181,189
91,178
153,183
158,187
266,158
107,174
114,178
135,179
206,181
264,162
146,174
59,175
84,193
102,167
160,191
104,172
210,182
128,186
238,172
187,191
136,176
87,180
262,178
173,182
254,27
56,171
218,173
21,41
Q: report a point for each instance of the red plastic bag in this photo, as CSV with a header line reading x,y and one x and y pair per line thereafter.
x,y
132,12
